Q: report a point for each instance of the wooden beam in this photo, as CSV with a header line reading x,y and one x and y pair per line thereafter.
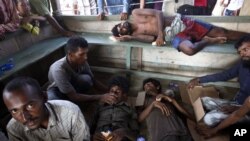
x,y
158,75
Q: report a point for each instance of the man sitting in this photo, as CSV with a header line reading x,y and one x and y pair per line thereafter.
x,y
36,119
186,34
226,108
116,121
71,77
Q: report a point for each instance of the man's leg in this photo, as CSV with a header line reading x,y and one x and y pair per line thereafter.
x,y
82,83
229,34
190,48
55,94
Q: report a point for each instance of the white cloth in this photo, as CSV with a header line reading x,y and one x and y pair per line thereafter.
x,y
235,4
176,27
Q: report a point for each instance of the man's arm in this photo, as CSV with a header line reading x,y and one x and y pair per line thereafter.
x,y
159,17
156,104
222,76
57,26
60,78
140,38
42,10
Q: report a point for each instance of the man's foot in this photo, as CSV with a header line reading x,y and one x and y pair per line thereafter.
x,y
215,40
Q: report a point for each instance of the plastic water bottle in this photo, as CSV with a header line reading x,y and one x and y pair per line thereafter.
x,y
8,66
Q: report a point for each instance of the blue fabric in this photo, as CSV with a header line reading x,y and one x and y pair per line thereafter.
x,y
114,10
242,71
176,42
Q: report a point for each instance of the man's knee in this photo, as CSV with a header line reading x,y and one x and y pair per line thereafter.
x,y
85,80
54,94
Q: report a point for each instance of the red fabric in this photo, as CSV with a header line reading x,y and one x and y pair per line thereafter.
x,y
194,31
200,3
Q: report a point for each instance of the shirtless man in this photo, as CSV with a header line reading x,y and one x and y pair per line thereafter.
x,y
186,34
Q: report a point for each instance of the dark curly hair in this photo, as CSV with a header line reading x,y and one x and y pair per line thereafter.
x,y
242,40
154,81
121,82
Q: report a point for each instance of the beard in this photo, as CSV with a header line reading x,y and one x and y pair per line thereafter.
x,y
246,63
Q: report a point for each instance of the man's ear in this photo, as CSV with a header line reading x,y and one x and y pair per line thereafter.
x,y
45,96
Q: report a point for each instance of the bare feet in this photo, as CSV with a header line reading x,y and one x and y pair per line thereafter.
x,y
215,40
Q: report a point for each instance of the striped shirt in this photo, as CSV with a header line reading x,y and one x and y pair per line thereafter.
x,y
66,123
9,21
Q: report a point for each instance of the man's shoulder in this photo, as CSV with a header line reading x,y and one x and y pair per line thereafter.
x,y
59,63
63,105
14,126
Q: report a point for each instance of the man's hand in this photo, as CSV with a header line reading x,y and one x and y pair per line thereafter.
x,y
67,33
101,16
124,16
118,134
98,137
26,20
108,98
124,38
164,109
194,82
162,96
228,109
159,41
206,131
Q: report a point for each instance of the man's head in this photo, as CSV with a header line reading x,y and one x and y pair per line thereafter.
x,y
23,7
25,100
123,28
151,85
119,87
77,50
243,47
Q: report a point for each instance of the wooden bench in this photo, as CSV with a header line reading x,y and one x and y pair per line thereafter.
x,y
104,39
32,54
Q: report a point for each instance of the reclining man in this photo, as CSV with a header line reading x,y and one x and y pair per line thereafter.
x,y
36,119
117,121
224,107
186,34
160,112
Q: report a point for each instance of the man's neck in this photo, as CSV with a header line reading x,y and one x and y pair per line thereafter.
x,y
71,64
45,121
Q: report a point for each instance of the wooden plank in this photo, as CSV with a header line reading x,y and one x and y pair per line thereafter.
x,y
159,75
210,19
128,58
139,61
32,54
